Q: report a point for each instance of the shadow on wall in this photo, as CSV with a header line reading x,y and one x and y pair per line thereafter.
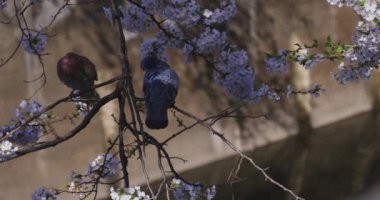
x,y
339,161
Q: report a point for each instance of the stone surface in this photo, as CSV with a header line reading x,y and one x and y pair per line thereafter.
x,y
262,26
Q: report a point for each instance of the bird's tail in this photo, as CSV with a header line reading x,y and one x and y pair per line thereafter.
x,y
157,118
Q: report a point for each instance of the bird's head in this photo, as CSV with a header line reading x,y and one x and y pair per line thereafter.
x,y
70,63
150,61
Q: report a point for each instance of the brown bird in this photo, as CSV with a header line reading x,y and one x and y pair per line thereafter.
x,y
78,73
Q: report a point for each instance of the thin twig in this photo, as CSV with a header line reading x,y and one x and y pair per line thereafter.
x,y
228,143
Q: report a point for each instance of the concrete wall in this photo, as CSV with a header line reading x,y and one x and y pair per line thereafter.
x,y
261,26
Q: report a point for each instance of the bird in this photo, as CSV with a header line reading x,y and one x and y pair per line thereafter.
x,y
78,73
160,87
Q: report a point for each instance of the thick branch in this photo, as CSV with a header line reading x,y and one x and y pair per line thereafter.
x,y
122,124
53,105
131,95
86,120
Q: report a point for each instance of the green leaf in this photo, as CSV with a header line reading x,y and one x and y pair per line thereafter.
x,y
361,3
339,49
377,21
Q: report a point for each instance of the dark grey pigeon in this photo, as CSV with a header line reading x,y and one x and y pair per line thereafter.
x,y
160,90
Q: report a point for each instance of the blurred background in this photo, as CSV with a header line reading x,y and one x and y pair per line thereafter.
x,y
321,148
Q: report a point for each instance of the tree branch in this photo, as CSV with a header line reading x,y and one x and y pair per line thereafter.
x,y
86,120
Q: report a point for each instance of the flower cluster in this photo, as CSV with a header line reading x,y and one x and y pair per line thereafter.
x,y
20,133
273,96
184,12
368,9
108,13
27,109
308,61
104,165
210,40
235,76
43,194
349,74
83,107
34,42
134,18
153,45
264,91
290,90
151,6
3,4
234,73
187,49
357,60
170,38
183,190
366,50
131,193
277,63
220,15
26,129
7,149
362,56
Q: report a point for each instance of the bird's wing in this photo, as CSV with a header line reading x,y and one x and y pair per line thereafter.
x,y
163,84
156,101
173,85
156,104
89,69
169,78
